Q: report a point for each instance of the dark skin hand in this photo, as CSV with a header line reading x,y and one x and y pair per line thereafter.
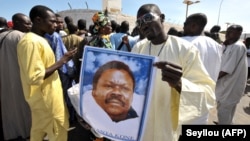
x,y
126,42
66,57
171,73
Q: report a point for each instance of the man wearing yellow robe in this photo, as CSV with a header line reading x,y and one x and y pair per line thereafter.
x,y
40,79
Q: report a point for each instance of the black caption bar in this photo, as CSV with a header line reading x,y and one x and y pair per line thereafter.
x,y
216,132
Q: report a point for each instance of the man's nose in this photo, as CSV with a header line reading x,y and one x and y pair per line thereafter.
x,y
116,90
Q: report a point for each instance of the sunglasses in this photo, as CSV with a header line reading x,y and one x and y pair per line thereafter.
x,y
146,18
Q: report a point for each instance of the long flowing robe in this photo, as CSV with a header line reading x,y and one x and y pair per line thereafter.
x,y
230,88
44,96
16,117
169,109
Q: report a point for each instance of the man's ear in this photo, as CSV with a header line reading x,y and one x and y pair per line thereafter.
x,y
162,16
38,20
195,25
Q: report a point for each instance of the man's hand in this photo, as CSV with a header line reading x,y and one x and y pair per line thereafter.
x,y
171,73
69,55
125,39
66,57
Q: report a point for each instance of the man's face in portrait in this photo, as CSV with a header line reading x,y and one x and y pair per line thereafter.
x,y
114,93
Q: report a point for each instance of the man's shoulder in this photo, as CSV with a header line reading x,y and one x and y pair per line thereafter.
x,y
138,47
179,42
208,41
16,32
240,43
72,37
32,37
116,35
133,37
12,34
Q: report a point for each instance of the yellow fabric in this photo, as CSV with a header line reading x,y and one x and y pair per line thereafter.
x,y
169,109
54,130
107,37
44,96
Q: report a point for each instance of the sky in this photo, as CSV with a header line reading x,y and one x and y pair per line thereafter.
x,y
221,12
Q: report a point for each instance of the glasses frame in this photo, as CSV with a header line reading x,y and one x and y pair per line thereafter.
x,y
143,19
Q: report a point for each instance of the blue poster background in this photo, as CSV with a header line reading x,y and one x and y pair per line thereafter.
x,y
143,71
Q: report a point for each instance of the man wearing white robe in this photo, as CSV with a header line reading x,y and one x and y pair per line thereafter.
x,y
233,75
210,50
169,108
173,102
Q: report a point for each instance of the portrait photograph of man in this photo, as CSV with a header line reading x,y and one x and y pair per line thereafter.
x,y
114,92
113,89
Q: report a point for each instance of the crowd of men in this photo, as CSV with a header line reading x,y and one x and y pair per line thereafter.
x,y
41,59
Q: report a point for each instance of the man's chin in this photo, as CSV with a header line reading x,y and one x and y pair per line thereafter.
x,y
150,38
114,108
116,114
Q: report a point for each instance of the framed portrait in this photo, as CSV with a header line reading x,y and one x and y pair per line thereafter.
x,y
115,92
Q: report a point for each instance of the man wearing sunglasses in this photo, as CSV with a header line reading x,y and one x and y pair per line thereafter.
x,y
183,89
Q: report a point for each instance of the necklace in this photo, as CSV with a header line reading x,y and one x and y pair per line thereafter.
x,y
160,49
